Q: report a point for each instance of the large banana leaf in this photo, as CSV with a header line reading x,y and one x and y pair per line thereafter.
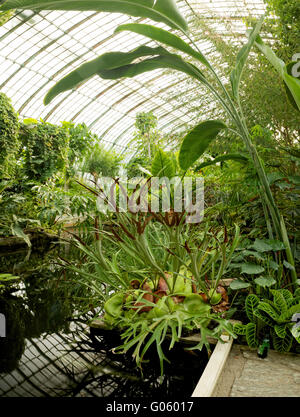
x,y
165,37
242,57
168,61
197,140
115,65
165,11
291,83
229,157
106,61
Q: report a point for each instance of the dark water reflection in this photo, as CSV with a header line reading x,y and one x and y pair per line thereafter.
x,y
46,353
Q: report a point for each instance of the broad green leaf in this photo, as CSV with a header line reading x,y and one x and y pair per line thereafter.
x,y
171,61
286,294
293,85
265,281
165,37
251,269
289,313
18,231
197,141
242,57
277,63
238,285
256,255
295,330
106,61
288,265
251,335
162,165
275,244
251,304
230,157
165,11
264,318
263,306
282,345
115,65
239,329
280,330
261,246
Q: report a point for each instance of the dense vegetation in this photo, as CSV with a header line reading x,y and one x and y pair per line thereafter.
x,y
155,275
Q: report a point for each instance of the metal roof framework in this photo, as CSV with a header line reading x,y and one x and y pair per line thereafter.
x,y
38,49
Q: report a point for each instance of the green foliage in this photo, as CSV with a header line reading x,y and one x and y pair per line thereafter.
x,y
241,59
256,261
101,162
291,83
286,27
163,165
165,37
251,336
271,316
46,149
145,122
5,16
9,130
230,157
161,10
80,141
197,141
146,141
251,304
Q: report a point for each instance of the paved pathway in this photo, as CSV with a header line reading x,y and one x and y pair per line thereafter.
x,y
246,375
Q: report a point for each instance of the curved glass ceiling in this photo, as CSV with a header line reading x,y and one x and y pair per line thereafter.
x,y
38,49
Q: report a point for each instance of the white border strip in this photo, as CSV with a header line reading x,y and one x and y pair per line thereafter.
x,y
214,368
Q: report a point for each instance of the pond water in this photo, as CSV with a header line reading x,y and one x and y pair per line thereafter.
x,y
50,351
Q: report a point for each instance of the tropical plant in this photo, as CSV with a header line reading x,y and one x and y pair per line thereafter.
x,y
81,140
161,277
286,26
274,316
9,133
145,141
46,149
101,162
261,265
116,65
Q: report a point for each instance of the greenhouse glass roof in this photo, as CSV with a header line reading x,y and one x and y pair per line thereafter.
x,y
38,49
